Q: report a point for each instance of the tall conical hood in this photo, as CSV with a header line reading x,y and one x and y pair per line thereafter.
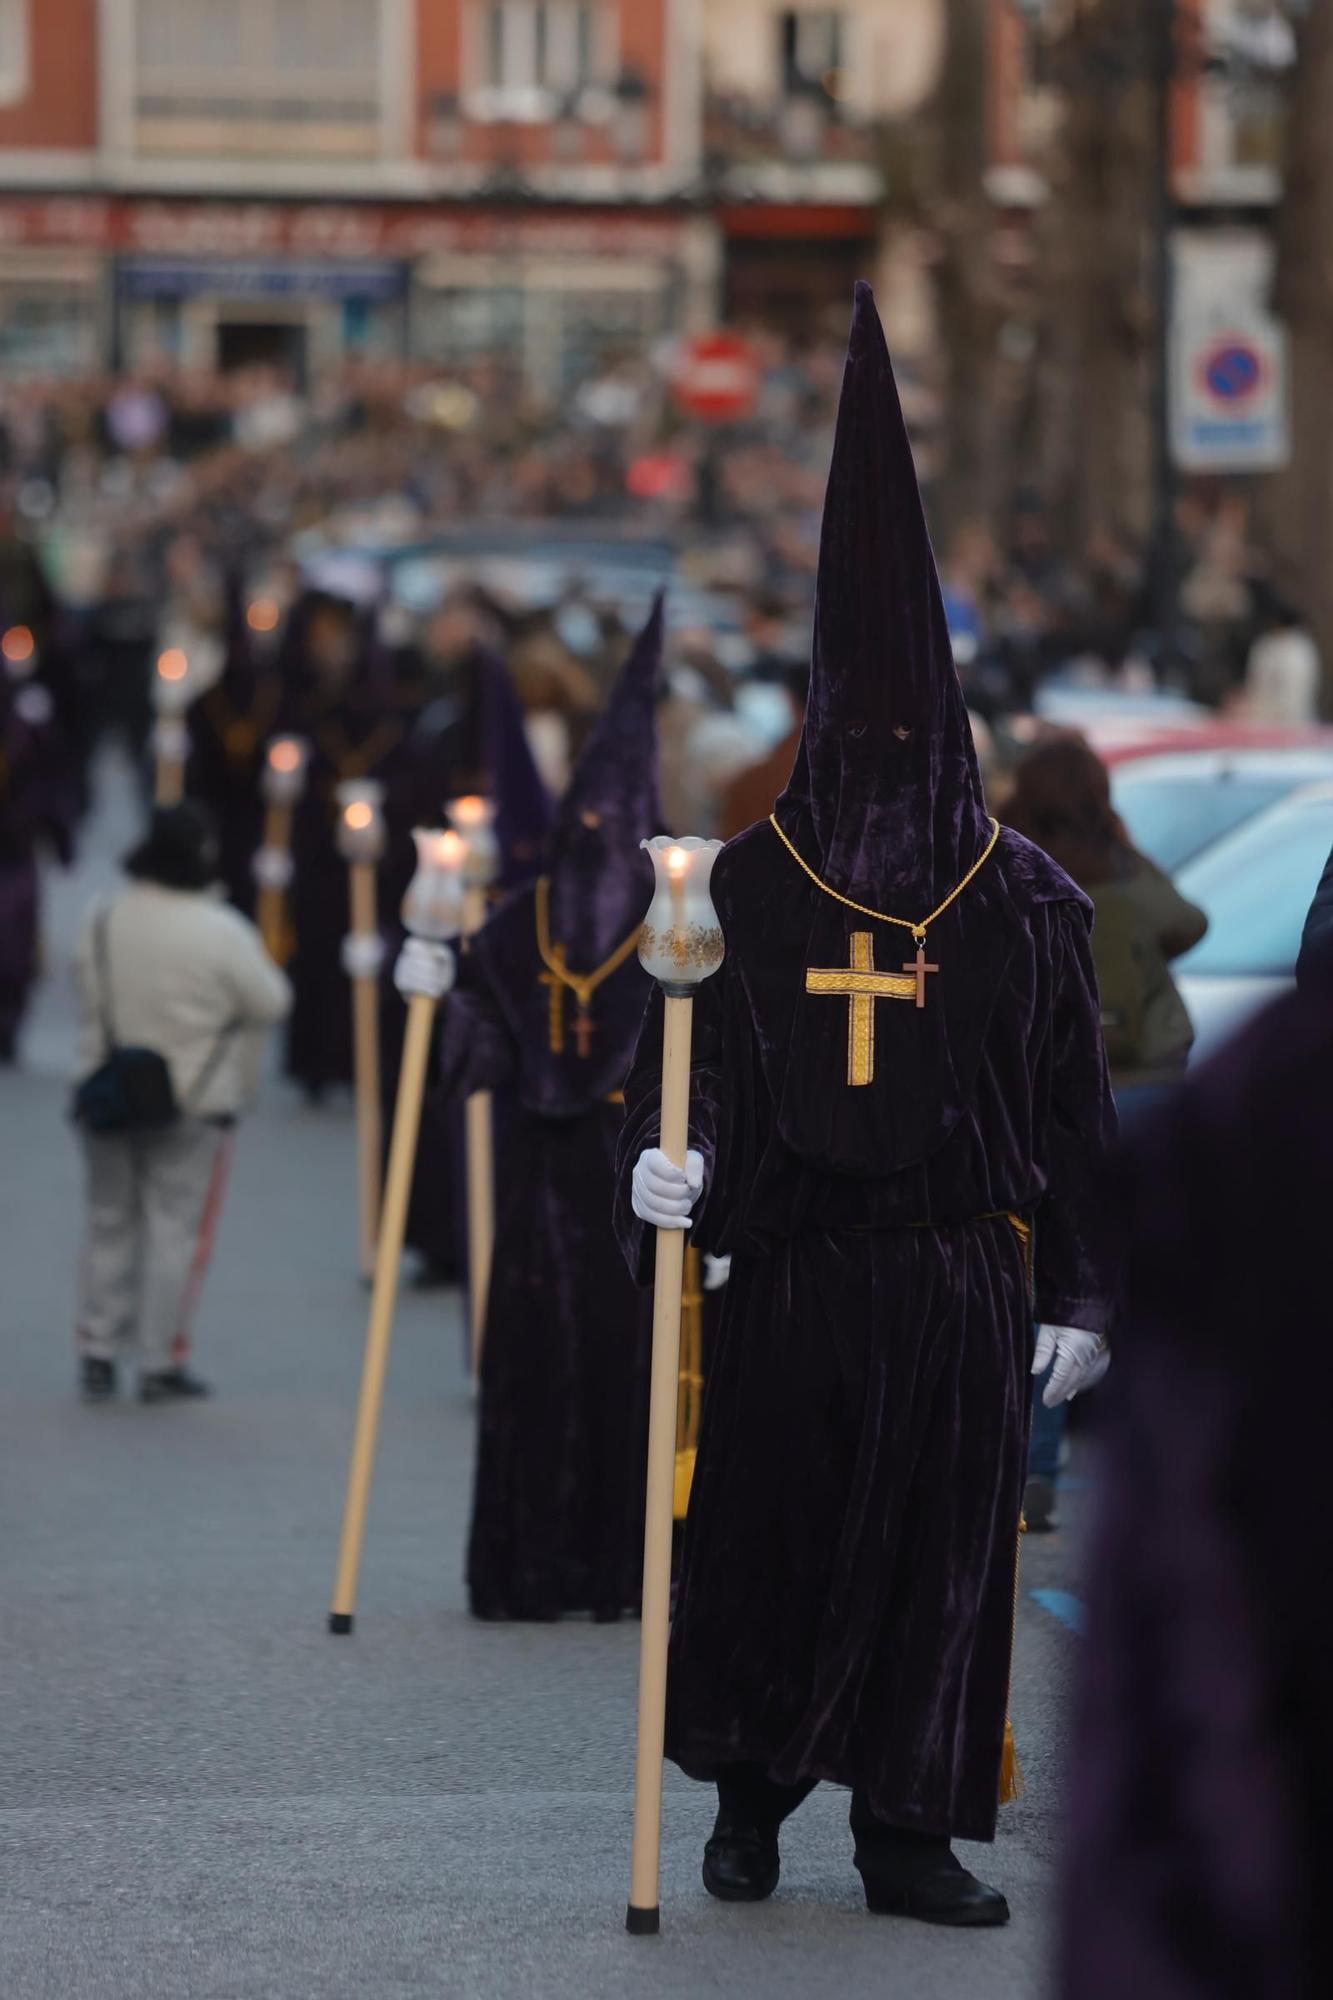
x,y
600,882
885,799
512,780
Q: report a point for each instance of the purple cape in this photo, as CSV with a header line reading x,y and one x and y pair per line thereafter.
x,y
1201,1808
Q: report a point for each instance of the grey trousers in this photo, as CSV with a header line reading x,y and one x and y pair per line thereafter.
x,y
153,1204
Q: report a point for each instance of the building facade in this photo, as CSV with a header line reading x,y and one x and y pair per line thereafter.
x,y
222,181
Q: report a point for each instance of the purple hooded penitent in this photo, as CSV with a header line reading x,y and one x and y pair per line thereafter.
x,y
847,1594
557,1520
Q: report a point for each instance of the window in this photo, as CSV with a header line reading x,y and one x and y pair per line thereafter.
x,y
534,54
809,47
14,71
1257,886
258,76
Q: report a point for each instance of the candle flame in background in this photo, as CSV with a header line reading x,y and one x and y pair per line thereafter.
x,y
173,665
359,816
262,615
450,849
471,810
677,861
285,755
18,645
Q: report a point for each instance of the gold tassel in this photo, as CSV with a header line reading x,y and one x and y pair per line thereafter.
x,y
1011,1771
691,1380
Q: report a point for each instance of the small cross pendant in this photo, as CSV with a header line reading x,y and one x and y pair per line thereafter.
x,y
919,967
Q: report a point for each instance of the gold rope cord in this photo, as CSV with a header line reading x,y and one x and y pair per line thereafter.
x,y
690,1398
918,930
581,984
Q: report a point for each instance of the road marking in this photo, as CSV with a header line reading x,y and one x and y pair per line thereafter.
x,y
1062,1604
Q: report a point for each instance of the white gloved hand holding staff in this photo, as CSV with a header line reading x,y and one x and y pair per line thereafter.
x,y
663,1194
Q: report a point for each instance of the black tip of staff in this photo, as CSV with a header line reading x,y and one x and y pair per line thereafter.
x,y
643,1923
340,1622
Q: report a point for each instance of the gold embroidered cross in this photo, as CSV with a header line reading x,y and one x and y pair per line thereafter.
x,y
862,986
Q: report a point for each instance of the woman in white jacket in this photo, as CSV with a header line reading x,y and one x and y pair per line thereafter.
x,y
165,966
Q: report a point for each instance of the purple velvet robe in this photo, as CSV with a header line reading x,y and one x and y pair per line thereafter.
x,y
557,1518
1201,1811
847,1599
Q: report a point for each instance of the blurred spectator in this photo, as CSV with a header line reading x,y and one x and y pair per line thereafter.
x,y
165,968
1282,673
1061,799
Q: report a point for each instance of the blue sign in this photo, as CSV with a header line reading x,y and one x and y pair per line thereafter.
x,y
248,278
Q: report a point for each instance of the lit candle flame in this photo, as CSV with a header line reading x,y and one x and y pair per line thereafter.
x,y
470,811
173,665
263,615
18,645
359,816
285,755
677,861
452,848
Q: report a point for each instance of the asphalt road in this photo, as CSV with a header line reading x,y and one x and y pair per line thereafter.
x,y
202,1794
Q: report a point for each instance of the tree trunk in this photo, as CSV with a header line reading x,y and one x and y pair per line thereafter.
x,y
1298,508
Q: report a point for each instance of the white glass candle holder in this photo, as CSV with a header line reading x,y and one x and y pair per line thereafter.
x,y
474,819
681,941
172,692
285,769
361,820
433,905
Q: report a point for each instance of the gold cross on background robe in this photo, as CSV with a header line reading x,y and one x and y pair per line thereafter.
x,y
862,986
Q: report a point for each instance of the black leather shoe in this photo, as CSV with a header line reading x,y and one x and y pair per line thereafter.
x,y
938,1891
741,1862
174,1385
97,1379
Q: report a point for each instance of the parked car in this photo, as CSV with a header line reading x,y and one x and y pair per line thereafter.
x,y
1256,885
1175,804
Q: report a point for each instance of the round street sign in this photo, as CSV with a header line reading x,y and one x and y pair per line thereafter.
x,y
716,376
1232,371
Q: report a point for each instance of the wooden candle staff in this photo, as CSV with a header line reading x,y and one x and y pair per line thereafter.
x,y
361,844
681,945
433,913
172,695
474,819
284,783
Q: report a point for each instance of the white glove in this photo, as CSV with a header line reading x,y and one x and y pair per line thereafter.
x,y
1081,1359
171,739
424,970
362,957
661,1193
272,868
716,1272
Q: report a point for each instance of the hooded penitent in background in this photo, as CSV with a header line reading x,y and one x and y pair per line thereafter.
x,y
890,1115
341,703
37,804
548,1008
471,739
231,725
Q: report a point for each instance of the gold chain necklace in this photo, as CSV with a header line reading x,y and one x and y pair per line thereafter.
x,y
558,975
880,916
